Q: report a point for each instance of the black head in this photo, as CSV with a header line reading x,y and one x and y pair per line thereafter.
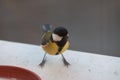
x,y
61,31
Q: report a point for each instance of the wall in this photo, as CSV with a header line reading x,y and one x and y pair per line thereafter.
x,y
93,24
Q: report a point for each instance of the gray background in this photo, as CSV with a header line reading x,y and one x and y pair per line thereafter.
x,y
94,25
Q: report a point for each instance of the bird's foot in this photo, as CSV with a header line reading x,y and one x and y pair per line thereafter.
x,y
66,63
42,63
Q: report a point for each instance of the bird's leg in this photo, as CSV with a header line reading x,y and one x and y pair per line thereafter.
x,y
65,61
43,61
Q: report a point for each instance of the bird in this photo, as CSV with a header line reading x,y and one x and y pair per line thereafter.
x,y
54,42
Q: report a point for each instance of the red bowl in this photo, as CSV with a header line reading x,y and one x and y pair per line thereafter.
x,y
17,73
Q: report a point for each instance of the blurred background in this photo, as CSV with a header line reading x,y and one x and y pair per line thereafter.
x,y
93,25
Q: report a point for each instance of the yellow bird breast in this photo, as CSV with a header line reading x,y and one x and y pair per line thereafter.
x,y
52,48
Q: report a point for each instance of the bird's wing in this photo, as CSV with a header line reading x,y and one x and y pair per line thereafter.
x,y
47,27
47,31
46,38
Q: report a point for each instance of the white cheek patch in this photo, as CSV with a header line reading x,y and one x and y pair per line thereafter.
x,y
56,37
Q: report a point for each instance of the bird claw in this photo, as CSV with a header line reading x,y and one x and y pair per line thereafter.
x,y
66,63
42,63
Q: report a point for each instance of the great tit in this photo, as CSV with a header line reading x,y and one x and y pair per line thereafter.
x,y
54,42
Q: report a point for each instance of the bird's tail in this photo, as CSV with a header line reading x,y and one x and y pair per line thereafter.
x,y
47,27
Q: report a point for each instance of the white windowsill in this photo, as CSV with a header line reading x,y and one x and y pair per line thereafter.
x,y
84,66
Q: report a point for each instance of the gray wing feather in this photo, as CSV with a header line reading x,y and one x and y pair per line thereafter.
x,y
46,35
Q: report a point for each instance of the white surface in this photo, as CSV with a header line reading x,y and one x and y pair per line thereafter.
x,y
84,66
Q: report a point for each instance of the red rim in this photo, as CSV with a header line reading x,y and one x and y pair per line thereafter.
x,y
18,73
